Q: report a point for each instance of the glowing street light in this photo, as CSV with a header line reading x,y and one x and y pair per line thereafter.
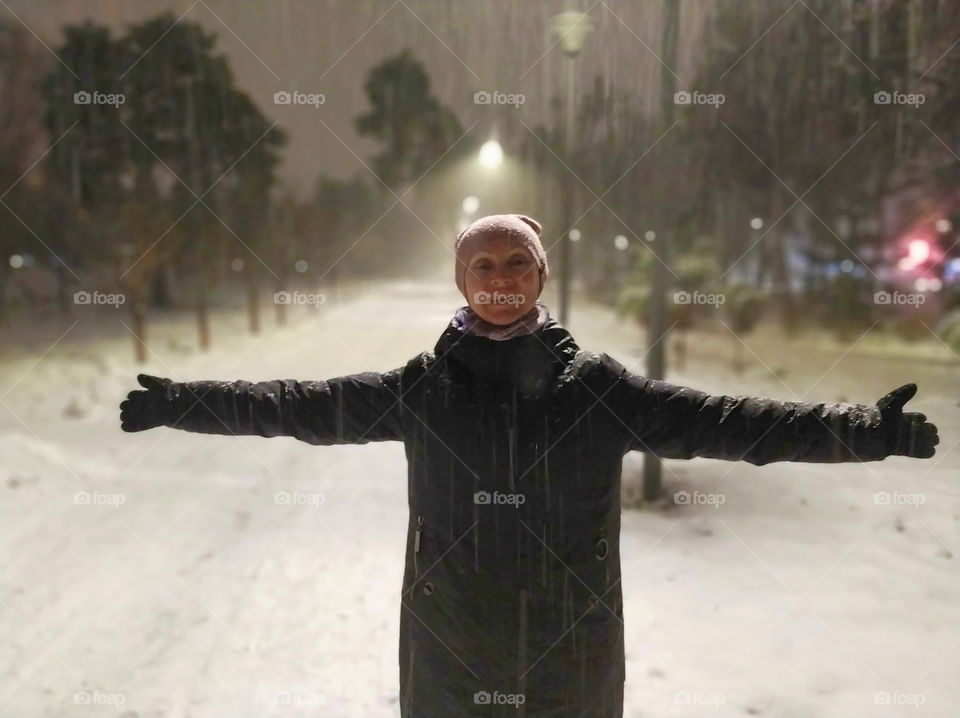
x,y
491,154
572,28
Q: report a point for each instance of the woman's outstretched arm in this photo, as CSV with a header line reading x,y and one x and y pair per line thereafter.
x,y
351,409
678,422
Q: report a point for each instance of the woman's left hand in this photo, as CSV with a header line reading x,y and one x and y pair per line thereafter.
x,y
908,433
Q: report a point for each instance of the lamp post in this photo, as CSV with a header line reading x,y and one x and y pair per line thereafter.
x,y
659,282
756,224
572,26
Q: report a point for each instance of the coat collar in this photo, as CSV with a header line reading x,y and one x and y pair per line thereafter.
x,y
529,362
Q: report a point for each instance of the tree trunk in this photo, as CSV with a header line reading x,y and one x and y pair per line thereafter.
x,y
138,312
64,301
253,305
761,251
203,322
162,286
778,264
680,349
335,281
4,282
280,306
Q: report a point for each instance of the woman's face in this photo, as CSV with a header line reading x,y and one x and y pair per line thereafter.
x,y
502,281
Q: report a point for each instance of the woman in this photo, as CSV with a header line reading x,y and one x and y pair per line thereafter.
x,y
514,436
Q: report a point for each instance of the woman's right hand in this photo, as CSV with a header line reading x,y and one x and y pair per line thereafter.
x,y
143,410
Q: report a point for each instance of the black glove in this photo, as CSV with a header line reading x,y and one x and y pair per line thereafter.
x,y
143,410
907,434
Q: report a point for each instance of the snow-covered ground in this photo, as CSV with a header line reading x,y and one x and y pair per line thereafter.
x,y
205,576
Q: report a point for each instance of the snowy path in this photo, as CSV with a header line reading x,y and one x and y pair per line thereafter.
x,y
203,595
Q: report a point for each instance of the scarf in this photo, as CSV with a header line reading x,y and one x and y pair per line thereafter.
x,y
470,322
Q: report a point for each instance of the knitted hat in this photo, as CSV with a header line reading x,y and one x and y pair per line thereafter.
x,y
517,227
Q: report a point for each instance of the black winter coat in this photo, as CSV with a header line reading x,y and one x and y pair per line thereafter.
x,y
511,601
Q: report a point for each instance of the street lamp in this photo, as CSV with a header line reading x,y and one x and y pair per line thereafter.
x,y
572,27
756,224
658,329
491,154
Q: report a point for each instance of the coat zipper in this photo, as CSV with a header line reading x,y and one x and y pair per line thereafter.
x,y
416,548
